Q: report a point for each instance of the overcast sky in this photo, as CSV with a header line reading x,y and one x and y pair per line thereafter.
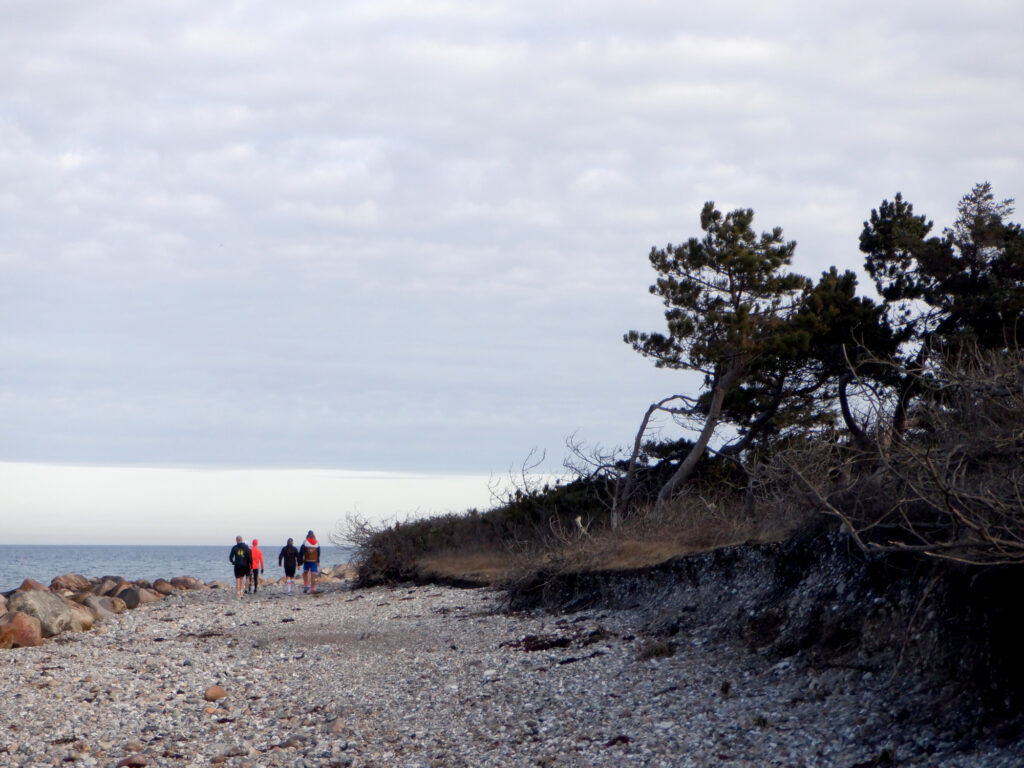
x,y
407,237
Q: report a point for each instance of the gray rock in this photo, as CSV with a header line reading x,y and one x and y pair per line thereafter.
x,y
101,607
115,604
52,610
82,618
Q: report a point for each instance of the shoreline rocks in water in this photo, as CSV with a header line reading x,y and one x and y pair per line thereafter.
x,y
75,603
437,676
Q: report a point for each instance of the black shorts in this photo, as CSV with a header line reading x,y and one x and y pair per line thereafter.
x,y
241,571
289,571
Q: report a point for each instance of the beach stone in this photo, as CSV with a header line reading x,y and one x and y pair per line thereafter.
x,y
52,610
82,618
95,603
215,693
20,630
133,761
3,604
31,585
345,571
130,596
149,595
164,587
73,582
114,604
187,582
108,585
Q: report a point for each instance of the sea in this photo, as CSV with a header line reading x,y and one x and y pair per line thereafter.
x,y
44,562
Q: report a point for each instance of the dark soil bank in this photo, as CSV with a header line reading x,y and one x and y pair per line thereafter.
x,y
945,637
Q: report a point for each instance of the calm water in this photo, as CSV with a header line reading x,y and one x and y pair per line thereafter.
x,y
43,563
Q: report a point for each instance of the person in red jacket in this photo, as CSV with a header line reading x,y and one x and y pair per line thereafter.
x,y
257,565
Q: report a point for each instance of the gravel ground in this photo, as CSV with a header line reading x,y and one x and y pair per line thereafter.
x,y
431,676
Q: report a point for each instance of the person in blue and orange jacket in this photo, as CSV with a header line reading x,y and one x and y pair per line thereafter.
x,y
257,565
309,555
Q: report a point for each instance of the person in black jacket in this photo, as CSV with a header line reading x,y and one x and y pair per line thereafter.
x,y
241,558
289,556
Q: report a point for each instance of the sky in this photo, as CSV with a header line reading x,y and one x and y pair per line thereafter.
x,y
397,244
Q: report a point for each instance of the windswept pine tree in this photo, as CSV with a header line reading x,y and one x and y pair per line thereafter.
x,y
729,301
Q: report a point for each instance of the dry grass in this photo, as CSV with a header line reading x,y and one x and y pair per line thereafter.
x,y
644,539
491,567
648,537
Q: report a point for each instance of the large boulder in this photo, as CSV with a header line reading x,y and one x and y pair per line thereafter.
x,y
187,582
342,571
149,595
164,587
72,582
20,630
108,585
96,605
114,604
52,610
3,604
131,596
81,617
31,585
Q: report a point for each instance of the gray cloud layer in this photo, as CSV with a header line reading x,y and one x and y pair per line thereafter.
x,y
409,235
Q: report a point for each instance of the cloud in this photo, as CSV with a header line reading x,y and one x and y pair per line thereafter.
x,y
191,506
403,235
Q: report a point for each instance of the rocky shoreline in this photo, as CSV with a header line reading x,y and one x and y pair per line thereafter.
x,y
436,676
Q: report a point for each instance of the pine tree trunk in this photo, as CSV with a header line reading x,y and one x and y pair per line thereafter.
x,y
718,393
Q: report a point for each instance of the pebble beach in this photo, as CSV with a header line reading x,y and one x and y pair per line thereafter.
x,y
434,676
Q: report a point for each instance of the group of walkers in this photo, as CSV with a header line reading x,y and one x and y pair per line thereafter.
x,y
248,562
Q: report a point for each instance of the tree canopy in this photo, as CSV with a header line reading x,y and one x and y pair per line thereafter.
x,y
728,304
778,353
965,285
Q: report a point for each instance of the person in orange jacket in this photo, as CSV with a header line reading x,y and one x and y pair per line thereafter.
x,y
257,564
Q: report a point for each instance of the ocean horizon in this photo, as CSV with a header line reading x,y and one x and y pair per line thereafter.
x,y
44,562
